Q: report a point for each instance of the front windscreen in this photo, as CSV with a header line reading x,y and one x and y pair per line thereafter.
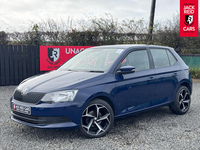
x,y
93,60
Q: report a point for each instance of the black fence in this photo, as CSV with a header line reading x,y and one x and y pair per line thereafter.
x,y
17,63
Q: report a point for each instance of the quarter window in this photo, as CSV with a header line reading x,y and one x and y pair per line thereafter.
x,y
160,58
139,59
172,59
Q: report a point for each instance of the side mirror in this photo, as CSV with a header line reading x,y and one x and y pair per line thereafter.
x,y
126,70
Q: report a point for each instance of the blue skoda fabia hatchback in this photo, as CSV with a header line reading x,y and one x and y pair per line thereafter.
x,y
101,84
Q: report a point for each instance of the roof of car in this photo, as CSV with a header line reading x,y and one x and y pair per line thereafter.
x,y
125,46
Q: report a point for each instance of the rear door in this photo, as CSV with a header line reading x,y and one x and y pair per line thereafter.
x,y
167,71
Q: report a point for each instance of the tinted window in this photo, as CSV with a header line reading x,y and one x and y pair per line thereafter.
x,y
160,58
138,59
172,59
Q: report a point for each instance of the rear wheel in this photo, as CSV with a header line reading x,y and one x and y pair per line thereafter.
x,y
182,101
97,119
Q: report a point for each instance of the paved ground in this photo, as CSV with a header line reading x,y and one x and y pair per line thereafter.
x,y
157,129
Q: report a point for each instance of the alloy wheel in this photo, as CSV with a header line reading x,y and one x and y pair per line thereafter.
x,y
96,120
184,100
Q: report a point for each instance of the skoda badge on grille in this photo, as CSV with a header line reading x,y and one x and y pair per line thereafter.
x,y
24,91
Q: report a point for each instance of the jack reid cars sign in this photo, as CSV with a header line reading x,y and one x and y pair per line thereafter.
x,y
52,57
189,18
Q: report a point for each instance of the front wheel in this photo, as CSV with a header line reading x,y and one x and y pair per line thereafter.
x,y
182,101
97,119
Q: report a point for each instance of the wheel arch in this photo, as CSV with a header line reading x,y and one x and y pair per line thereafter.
x,y
106,99
187,84
181,106
103,96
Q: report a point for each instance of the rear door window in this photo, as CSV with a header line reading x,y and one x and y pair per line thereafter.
x,y
160,58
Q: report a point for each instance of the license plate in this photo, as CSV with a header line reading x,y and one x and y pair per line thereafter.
x,y
22,109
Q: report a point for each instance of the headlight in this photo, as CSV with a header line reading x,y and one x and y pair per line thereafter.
x,y
61,96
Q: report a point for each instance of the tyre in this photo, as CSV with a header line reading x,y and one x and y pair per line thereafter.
x,y
182,101
97,119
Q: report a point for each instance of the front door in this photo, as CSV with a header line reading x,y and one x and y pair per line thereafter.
x,y
135,90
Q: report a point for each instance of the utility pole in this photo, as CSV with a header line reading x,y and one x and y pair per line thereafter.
x,y
151,21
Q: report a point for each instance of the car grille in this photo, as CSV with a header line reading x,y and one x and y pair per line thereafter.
x,y
32,97
38,120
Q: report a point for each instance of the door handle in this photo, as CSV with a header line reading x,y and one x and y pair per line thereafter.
x,y
174,74
151,78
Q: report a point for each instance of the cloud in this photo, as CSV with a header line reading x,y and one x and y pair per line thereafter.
x,y
16,13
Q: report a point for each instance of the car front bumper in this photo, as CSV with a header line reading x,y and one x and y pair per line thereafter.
x,y
44,115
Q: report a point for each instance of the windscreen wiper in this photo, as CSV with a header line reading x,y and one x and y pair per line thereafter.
x,y
96,71
72,70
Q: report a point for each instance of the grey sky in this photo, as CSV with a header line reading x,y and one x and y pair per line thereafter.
x,y
16,13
